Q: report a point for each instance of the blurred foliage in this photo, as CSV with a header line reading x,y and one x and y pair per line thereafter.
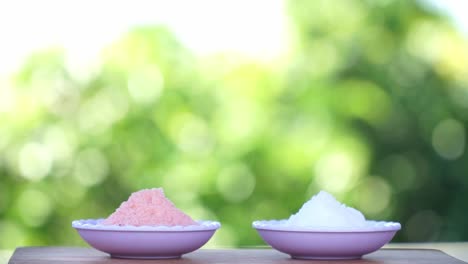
x,y
371,104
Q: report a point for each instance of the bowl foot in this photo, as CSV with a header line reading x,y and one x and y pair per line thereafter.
x,y
144,257
325,257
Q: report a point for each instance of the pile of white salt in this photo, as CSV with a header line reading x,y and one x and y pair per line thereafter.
x,y
323,210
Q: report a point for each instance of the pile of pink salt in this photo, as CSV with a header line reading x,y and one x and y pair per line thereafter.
x,y
148,207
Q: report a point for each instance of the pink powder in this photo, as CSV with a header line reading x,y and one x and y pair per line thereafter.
x,y
148,207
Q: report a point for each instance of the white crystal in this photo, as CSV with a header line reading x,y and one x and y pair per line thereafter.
x,y
323,210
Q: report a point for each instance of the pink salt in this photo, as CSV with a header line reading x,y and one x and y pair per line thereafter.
x,y
148,207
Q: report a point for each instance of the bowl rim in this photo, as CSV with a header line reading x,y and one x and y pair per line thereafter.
x,y
281,225
96,224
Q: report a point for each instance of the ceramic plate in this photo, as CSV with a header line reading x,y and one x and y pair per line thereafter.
x,y
145,242
326,243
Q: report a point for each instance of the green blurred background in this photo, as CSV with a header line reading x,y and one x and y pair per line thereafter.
x,y
370,103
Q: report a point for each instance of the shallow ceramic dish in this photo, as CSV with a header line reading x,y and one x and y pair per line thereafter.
x,y
326,243
145,242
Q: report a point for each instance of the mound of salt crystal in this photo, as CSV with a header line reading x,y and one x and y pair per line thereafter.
x,y
323,210
148,207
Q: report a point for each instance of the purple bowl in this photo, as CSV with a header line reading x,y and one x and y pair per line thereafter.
x,y
145,242
326,243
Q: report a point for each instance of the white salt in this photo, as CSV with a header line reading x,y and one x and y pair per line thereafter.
x,y
323,210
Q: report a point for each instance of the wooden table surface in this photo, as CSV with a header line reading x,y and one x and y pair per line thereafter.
x,y
458,250
70,255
